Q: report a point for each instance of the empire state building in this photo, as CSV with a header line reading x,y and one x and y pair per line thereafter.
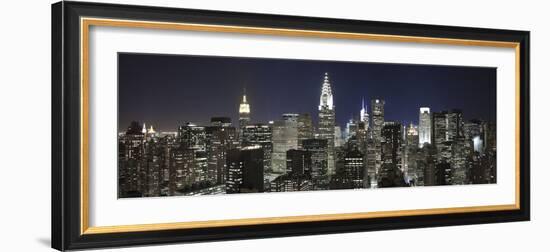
x,y
327,121
244,112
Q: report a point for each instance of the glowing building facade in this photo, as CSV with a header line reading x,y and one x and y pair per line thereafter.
x,y
363,115
327,121
259,135
285,137
244,112
377,107
424,127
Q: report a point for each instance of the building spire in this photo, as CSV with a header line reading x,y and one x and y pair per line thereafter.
x,y
244,95
326,100
244,108
363,113
151,130
244,111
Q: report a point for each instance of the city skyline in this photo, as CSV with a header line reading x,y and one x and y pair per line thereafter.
x,y
167,90
212,152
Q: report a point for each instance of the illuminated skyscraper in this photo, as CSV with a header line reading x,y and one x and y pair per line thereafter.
x,y
259,134
371,153
410,150
391,171
455,125
391,143
424,127
447,126
338,139
244,112
377,107
364,115
477,144
183,166
452,147
153,165
221,138
459,164
327,121
305,128
285,137
130,153
411,136
319,157
245,170
351,129
439,129
192,141
473,133
353,174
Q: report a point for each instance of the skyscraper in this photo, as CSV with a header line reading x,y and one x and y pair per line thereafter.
x,y
168,144
354,169
305,128
447,126
490,139
410,150
192,136
424,127
411,137
364,115
244,112
183,165
153,164
245,171
371,154
455,125
259,134
391,170
298,161
327,121
459,164
131,151
338,139
452,147
192,140
391,143
439,128
285,137
473,133
377,107
221,138
319,157
425,166
351,128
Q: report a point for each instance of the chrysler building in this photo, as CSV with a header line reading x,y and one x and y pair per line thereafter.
x,y
327,122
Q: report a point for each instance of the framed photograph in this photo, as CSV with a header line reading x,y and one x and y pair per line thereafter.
x,y
179,125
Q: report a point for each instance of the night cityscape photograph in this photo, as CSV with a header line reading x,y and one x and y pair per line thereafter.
x,y
206,125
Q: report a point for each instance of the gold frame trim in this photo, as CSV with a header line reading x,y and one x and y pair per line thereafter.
x,y
85,24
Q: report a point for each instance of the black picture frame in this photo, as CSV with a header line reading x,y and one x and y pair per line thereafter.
x,y
66,141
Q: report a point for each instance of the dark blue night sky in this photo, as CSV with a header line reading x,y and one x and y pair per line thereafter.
x,y
169,90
